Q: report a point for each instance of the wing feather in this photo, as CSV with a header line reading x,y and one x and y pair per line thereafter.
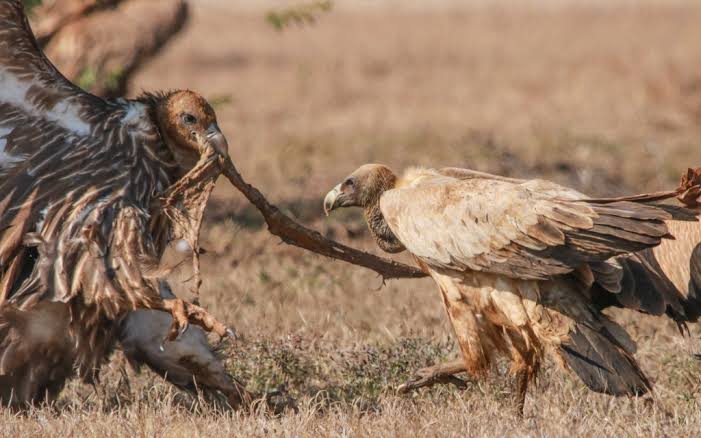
x,y
72,165
527,230
29,83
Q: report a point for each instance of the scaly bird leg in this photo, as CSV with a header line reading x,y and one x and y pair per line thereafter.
x,y
440,373
185,313
522,379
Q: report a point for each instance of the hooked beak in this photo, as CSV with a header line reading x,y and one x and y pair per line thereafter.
x,y
216,140
330,199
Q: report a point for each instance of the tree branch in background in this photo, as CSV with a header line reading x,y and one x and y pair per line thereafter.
x,y
49,16
296,234
100,47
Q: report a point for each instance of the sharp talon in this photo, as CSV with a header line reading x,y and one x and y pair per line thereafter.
x,y
183,330
231,334
161,347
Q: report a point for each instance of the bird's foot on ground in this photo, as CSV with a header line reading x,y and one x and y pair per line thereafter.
x,y
441,373
279,401
185,313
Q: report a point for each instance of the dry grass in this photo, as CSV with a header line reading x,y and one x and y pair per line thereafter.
x,y
603,98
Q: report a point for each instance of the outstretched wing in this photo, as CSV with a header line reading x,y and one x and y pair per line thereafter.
x,y
530,230
30,84
42,118
75,171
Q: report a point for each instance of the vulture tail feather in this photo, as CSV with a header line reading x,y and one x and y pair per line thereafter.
x,y
692,303
602,363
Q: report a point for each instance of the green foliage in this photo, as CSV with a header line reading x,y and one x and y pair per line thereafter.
x,y
87,78
359,376
31,4
300,15
95,81
220,100
112,79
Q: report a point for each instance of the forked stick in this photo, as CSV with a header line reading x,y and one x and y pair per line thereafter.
x,y
296,234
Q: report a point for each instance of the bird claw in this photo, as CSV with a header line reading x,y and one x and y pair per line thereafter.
x,y
442,373
183,329
176,330
185,313
417,382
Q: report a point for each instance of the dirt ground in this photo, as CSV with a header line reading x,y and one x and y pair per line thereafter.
x,y
602,96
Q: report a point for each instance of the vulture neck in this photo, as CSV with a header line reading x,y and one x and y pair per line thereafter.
x,y
380,230
156,108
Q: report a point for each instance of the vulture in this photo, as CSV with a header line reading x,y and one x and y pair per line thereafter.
x,y
82,228
663,280
517,264
78,37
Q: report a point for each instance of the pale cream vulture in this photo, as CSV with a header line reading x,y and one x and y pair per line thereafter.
x,y
516,263
663,280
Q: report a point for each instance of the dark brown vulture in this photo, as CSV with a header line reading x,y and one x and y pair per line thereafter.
x,y
516,262
78,37
82,228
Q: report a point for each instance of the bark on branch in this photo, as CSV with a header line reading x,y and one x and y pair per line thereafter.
x,y
99,44
296,234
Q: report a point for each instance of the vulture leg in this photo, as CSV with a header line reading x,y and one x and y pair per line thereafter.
x,y
441,373
522,378
524,366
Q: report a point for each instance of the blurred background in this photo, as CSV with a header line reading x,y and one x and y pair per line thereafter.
x,y
604,96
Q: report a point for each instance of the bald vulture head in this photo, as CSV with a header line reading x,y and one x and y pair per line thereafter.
x,y
188,125
362,188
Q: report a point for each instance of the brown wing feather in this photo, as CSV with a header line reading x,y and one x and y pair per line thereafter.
x,y
70,164
661,280
24,64
78,177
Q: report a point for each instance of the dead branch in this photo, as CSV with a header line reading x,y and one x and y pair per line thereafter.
x,y
296,234
100,47
52,15
690,188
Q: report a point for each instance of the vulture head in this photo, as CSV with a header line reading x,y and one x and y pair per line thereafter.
x,y
363,188
188,125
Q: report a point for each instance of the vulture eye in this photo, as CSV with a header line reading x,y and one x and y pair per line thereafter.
x,y
349,182
189,119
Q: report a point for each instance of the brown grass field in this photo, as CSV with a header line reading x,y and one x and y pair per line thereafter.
x,y
602,96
